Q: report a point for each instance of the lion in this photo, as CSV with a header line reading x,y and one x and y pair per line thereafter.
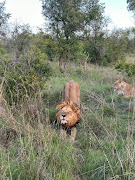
x,y
68,113
124,88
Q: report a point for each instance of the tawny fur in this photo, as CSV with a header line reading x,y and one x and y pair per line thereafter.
x,y
71,92
69,110
124,88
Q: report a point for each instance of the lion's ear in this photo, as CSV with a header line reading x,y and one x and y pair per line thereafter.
x,y
78,113
120,80
78,110
60,106
71,103
79,116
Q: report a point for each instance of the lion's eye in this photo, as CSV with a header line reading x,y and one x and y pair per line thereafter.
x,y
61,111
69,112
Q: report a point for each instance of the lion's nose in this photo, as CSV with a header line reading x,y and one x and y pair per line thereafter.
x,y
63,115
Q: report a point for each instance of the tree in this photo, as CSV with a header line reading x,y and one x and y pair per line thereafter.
x,y
65,19
131,5
46,44
3,18
115,46
69,20
95,22
19,41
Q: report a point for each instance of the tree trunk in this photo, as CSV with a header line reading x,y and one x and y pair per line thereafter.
x,y
61,63
66,61
85,63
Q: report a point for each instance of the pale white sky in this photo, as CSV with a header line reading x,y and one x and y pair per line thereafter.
x,y
26,12
29,11
120,16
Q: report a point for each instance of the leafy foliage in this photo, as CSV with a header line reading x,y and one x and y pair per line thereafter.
x,y
70,19
19,42
26,78
47,44
129,68
3,18
131,5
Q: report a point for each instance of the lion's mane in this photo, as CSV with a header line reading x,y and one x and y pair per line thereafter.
x,y
73,117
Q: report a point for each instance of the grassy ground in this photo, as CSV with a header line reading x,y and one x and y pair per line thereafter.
x,y
30,145
130,58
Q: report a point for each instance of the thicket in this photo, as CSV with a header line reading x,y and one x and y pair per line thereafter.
x,y
129,68
24,67
79,28
25,57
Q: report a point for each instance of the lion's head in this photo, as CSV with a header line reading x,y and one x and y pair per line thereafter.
x,y
68,114
119,85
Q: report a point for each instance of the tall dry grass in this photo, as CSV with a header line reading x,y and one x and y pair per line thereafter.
x,y
30,145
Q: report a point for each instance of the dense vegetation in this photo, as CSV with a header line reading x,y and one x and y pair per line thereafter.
x,y
33,71
129,68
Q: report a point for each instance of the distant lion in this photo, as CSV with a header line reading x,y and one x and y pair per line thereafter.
x,y
69,110
124,88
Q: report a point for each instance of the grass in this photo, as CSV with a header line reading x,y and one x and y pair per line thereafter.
x,y
130,58
30,144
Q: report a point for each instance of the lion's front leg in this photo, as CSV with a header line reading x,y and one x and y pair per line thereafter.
x,y
63,132
73,133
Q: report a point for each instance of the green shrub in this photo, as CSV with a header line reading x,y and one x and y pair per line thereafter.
x,y
129,68
27,77
20,85
4,60
37,60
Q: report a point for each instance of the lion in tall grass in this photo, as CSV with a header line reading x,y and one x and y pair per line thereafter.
x,y
69,110
124,88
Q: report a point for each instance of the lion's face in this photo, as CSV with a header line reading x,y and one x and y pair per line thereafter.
x,y
68,114
119,85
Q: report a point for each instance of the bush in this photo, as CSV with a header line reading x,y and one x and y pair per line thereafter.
x,y
36,60
129,68
26,77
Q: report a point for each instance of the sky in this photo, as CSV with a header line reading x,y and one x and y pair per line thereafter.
x,y
25,12
30,12
118,13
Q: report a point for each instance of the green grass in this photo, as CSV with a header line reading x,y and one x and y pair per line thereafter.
x,y
30,142
130,58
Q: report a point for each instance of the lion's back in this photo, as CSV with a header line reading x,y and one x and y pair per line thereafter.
x,y
71,92
128,89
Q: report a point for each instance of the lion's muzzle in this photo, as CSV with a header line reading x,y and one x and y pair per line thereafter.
x,y
62,118
63,122
63,115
